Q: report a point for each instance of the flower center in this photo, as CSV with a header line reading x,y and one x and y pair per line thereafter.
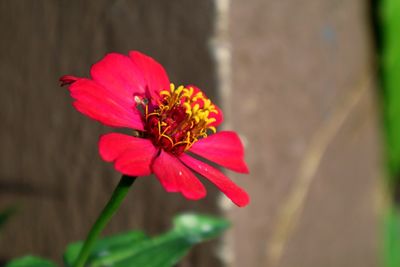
x,y
182,117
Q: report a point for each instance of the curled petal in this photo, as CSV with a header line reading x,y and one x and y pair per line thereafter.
x,y
175,177
223,148
153,73
95,101
67,80
131,155
230,189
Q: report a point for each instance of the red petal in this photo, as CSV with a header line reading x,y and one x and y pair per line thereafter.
x,y
154,74
120,76
175,177
219,117
113,145
230,189
131,155
223,148
98,103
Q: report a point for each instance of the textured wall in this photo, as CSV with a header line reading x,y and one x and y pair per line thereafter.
x,y
48,159
304,99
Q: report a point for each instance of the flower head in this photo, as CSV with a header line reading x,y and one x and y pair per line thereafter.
x,y
171,123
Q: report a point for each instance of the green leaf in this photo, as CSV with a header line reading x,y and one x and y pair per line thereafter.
x,y
162,251
390,62
105,246
392,238
31,261
196,228
389,14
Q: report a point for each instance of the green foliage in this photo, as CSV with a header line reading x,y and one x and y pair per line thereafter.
x,y
392,238
31,261
136,249
106,246
390,76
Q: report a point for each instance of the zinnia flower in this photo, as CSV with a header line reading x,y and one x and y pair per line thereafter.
x,y
170,123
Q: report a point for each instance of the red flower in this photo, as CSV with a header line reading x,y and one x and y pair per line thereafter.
x,y
135,92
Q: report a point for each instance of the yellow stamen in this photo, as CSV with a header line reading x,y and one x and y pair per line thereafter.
x,y
183,117
163,92
179,90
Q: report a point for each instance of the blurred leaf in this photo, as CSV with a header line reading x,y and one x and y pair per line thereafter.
x,y
196,228
390,76
392,238
162,251
104,246
31,261
6,214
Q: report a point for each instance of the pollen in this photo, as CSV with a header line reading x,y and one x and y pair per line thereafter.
x,y
182,117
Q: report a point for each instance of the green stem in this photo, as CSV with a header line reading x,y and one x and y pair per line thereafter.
x,y
112,206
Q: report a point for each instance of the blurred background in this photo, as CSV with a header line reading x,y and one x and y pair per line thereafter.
x,y
311,86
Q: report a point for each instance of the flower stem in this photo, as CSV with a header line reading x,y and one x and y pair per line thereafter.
x,y
112,206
